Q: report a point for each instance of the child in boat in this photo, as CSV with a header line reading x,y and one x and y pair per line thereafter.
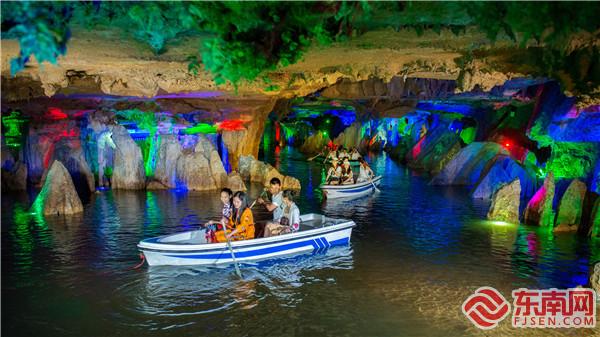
x,y
289,221
241,221
364,172
334,174
211,226
347,174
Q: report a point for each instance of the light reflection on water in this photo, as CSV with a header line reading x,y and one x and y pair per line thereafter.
x,y
417,252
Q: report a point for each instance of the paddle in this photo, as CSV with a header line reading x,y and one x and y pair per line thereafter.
x,y
260,196
237,268
312,158
375,187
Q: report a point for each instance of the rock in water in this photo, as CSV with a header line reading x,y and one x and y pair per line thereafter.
x,y
217,170
539,209
235,182
570,208
193,172
505,203
595,219
169,152
469,164
128,169
504,170
270,173
58,195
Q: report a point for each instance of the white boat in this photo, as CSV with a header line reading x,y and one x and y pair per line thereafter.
x,y
317,233
354,190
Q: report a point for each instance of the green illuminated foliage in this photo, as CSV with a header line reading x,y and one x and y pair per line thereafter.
x,y
13,125
201,128
572,160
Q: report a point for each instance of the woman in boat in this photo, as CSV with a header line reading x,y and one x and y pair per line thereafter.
x,y
354,154
334,174
241,221
364,172
342,153
332,156
347,174
290,221
211,226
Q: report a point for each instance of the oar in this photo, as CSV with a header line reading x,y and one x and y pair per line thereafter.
x,y
312,158
375,187
260,196
237,268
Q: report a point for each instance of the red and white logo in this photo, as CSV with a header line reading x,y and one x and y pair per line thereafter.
x,y
486,308
554,308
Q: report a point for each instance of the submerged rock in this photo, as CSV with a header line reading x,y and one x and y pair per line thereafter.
x,y
571,207
270,173
506,202
217,170
156,185
467,167
70,154
58,195
128,166
257,171
504,169
539,209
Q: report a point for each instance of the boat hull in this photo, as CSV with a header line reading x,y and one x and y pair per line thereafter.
x,y
350,191
158,252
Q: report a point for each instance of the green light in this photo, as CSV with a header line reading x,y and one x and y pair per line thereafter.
x,y
13,125
201,128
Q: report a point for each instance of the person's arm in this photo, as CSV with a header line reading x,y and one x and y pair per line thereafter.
x,y
295,219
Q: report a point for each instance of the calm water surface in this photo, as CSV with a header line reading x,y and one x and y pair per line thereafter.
x,y
418,251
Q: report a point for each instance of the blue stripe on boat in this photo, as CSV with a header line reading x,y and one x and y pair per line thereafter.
x,y
264,251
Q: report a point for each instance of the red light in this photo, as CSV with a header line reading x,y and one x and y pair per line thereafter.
x,y
56,113
507,145
231,125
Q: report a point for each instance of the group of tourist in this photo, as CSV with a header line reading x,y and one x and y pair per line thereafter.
x,y
238,221
340,172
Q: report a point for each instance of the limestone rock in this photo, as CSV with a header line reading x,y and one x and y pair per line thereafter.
x,y
595,278
291,183
258,170
128,166
270,173
70,153
595,219
351,136
571,207
217,170
244,166
193,172
235,182
58,195
204,146
169,152
467,167
434,150
156,185
504,170
505,203
14,177
314,144
539,209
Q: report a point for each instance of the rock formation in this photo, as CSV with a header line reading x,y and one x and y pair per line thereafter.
x,y
505,203
504,169
257,171
14,176
467,167
570,207
128,166
235,182
595,219
169,152
58,195
539,209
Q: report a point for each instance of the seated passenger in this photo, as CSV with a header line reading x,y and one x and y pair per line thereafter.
x,y
354,154
289,221
347,174
332,156
364,172
211,226
241,222
334,174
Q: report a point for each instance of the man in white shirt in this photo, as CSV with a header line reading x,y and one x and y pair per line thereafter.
x,y
276,204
